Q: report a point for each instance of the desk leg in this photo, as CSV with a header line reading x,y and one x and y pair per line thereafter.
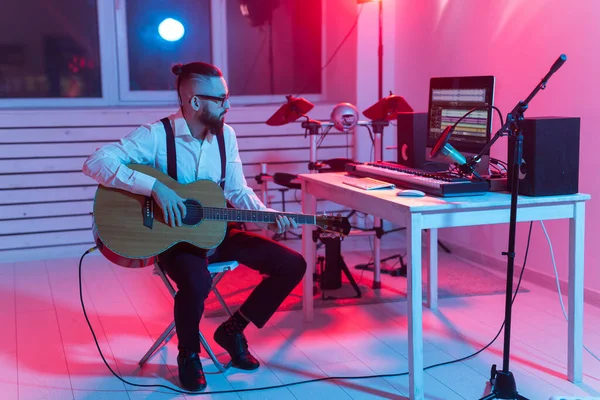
x,y
576,246
377,257
309,205
432,275
415,308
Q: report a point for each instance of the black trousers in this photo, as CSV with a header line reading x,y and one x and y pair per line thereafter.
x,y
186,265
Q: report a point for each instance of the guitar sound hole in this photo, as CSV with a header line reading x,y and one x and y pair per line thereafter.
x,y
194,212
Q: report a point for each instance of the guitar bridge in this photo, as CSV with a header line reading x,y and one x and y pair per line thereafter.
x,y
148,211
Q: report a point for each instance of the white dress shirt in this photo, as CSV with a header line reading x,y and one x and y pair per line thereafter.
x,y
195,160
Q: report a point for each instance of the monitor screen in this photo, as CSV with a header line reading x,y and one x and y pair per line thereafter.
x,y
450,99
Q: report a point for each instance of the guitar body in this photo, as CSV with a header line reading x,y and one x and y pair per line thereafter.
x,y
119,220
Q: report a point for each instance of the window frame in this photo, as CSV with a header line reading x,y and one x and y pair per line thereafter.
x,y
130,97
114,64
106,39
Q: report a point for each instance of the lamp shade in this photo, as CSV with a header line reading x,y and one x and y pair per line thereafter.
x,y
388,108
290,111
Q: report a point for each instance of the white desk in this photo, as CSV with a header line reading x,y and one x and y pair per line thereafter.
x,y
429,212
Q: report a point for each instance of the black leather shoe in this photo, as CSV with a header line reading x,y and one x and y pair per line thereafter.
x,y
237,347
191,374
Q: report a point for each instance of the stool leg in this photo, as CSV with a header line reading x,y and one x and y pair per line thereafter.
x,y
165,280
170,331
221,367
216,278
162,339
223,304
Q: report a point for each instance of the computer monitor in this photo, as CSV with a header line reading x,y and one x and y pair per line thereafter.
x,y
450,99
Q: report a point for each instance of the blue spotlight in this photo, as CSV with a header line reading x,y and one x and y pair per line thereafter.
x,y
171,30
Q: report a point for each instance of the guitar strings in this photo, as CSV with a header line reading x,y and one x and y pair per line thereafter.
x,y
197,210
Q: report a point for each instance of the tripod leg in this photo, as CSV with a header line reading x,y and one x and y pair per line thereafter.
x,y
321,264
346,271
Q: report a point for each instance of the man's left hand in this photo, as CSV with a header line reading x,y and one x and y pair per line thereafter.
x,y
283,224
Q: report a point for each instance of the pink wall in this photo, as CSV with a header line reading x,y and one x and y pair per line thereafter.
x,y
517,41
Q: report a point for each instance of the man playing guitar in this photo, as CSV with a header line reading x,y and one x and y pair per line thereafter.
x,y
202,140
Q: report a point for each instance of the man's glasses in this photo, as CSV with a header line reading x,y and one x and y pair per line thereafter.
x,y
217,100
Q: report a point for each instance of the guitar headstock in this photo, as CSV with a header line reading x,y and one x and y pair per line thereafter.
x,y
335,224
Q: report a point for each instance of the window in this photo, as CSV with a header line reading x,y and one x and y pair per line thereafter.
x,y
185,36
274,47
119,52
53,52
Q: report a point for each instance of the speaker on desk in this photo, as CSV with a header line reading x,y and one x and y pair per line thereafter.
x,y
412,139
550,156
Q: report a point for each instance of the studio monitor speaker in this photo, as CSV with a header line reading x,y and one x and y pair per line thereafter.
x,y
550,156
412,139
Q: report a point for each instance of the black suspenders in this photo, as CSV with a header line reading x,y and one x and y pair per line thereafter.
x,y
221,142
172,154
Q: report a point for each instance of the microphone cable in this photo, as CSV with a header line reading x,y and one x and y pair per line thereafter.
x,y
328,378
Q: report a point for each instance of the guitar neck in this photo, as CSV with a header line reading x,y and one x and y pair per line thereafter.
x,y
236,215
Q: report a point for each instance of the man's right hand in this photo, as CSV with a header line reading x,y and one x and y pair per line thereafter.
x,y
171,204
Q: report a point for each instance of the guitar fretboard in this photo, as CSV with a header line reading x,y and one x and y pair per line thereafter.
x,y
233,214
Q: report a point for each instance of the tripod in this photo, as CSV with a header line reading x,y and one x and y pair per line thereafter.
x,y
330,277
503,382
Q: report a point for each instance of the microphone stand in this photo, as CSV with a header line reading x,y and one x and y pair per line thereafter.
x,y
503,382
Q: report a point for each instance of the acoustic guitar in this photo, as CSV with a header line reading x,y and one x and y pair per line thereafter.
x,y
130,230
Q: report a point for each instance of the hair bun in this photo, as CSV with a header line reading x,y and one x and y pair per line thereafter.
x,y
177,69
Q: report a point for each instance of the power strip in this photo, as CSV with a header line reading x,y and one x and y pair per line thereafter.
x,y
573,398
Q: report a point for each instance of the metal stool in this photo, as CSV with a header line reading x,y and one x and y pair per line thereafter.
x,y
217,271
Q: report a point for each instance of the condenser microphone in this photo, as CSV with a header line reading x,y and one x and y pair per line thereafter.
x,y
447,150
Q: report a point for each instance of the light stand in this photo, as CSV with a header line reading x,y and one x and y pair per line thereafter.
x,y
312,128
380,47
271,57
378,138
378,126
503,382
380,113
377,223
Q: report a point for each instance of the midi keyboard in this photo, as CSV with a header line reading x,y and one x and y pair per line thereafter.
x,y
443,184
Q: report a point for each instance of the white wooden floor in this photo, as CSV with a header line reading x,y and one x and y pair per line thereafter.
x,y
47,351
